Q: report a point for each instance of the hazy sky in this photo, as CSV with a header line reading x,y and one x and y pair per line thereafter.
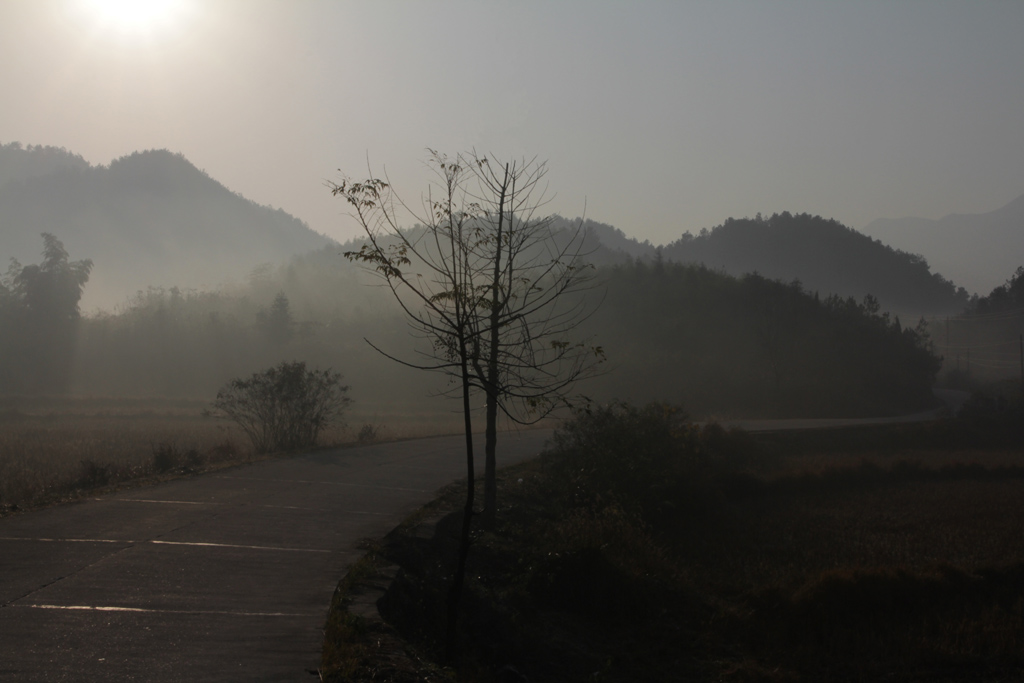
x,y
659,117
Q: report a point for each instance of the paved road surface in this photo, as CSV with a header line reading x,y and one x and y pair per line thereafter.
x,y
225,577
774,425
952,399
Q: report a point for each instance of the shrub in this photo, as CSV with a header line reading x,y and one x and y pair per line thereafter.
x,y
92,475
623,453
647,460
226,450
285,407
165,457
368,433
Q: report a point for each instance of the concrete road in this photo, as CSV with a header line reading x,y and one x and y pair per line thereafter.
x,y
224,577
953,400
784,425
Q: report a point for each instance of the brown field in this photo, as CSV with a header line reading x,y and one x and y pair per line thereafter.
x,y
51,449
801,564
54,448
786,538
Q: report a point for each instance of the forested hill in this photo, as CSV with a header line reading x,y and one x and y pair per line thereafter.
x,y
679,333
753,347
822,254
20,163
154,219
826,257
148,219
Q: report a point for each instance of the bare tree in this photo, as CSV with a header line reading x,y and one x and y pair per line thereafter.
x,y
530,361
490,288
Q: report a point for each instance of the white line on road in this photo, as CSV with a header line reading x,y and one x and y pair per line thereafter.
x,y
169,502
330,483
127,542
67,540
250,547
240,505
104,608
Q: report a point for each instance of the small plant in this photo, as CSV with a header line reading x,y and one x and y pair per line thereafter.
x,y
368,433
93,475
226,450
193,460
283,408
165,457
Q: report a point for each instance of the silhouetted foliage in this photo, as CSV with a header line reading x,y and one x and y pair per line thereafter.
x,y
283,408
826,256
687,334
618,453
277,323
39,315
1004,298
676,333
983,344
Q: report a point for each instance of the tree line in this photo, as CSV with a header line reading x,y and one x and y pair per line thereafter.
x,y
755,346
39,320
681,333
826,256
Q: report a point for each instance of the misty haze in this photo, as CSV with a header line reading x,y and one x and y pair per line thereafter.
x,y
450,341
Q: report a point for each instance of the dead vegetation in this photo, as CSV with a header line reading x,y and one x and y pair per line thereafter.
x,y
771,558
57,449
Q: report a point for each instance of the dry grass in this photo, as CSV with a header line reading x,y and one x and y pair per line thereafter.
x,y
48,451
794,563
53,448
813,522
818,461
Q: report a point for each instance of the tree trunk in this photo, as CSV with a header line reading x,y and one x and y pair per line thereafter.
x,y
489,515
490,512
455,593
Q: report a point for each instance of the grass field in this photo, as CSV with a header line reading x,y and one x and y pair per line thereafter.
x,y
51,449
55,448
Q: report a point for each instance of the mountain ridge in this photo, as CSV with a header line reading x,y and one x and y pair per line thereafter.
x,y
978,250
822,254
150,218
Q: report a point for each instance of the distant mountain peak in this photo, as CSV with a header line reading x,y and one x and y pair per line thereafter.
x,y
824,255
979,250
1016,207
150,218
821,253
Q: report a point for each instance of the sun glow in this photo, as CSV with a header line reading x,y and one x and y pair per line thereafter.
x,y
135,16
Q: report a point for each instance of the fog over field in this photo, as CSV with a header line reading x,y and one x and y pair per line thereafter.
x,y
181,155
716,310
184,151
